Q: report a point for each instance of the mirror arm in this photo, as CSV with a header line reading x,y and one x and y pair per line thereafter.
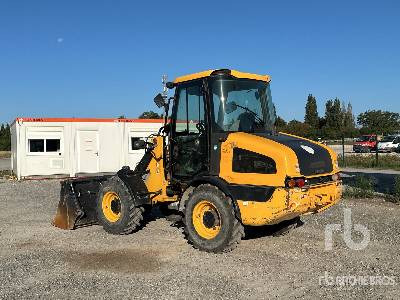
x,y
166,109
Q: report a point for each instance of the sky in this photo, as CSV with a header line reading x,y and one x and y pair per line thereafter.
x,y
106,58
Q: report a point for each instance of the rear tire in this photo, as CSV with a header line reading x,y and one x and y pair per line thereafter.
x,y
210,221
116,210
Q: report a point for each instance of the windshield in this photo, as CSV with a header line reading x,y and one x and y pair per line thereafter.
x,y
242,105
388,139
365,138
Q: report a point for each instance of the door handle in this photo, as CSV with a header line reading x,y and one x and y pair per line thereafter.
x,y
97,153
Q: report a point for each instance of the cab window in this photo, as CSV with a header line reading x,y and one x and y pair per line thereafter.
x,y
190,110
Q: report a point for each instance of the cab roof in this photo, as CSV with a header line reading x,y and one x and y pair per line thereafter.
x,y
233,73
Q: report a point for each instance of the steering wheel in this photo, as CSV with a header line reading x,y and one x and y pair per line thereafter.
x,y
201,127
246,122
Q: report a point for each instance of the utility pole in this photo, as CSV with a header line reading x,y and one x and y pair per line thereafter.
x,y
376,150
165,89
343,161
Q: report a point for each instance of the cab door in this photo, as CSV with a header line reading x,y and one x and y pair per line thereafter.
x,y
189,143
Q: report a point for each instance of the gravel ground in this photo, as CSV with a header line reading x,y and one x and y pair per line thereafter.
x,y
40,261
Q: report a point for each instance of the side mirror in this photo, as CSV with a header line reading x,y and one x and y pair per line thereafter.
x,y
159,101
230,107
170,85
138,144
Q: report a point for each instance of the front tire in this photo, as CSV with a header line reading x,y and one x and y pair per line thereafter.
x,y
116,210
210,221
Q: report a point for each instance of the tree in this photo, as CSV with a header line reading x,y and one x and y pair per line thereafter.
x,y
379,122
280,124
5,137
321,122
334,119
311,115
150,115
298,128
349,126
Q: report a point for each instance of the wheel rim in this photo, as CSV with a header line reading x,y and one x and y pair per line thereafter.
x,y
206,220
111,205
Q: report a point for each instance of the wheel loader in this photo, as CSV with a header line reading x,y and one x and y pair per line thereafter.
x,y
217,161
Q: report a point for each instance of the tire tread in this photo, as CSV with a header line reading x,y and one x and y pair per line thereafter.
x,y
237,231
135,213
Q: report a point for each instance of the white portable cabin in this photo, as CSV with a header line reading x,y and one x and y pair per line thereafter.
x,y
65,146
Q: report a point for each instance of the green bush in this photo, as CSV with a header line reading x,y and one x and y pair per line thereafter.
x,y
362,187
395,197
369,161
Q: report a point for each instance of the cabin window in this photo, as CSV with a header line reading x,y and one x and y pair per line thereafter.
x,y
44,145
52,145
134,141
36,145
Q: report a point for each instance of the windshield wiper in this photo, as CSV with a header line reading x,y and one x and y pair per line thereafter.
x,y
261,121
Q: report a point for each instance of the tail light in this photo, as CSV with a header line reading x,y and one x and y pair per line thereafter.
x,y
291,183
300,182
295,182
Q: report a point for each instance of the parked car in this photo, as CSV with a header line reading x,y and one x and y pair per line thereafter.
x,y
366,143
397,149
389,143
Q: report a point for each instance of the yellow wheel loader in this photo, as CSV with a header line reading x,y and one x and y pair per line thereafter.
x,y
218,161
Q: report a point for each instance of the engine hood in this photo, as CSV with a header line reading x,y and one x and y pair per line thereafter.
x,y
313,158
385,144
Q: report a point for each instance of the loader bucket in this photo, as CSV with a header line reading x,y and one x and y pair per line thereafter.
x,y
65,216
77,206
67,211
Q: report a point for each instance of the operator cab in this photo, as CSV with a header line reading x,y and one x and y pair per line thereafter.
x,y
207,107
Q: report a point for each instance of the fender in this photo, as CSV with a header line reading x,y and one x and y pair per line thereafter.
x,y
135,184
219,183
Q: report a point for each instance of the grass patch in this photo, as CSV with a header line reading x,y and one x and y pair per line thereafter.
x,y
362,187
395,196
5,154
6,173
397,187
389,161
